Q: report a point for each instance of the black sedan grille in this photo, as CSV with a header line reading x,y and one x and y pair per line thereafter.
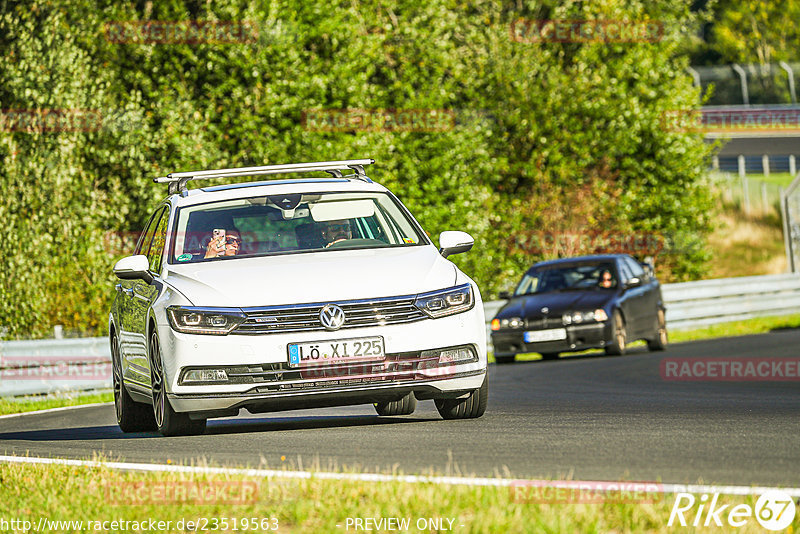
x,y
543,323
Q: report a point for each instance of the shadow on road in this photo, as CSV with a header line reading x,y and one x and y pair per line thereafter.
x,y
215,427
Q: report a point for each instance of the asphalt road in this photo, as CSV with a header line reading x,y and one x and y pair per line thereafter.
x,y
590,417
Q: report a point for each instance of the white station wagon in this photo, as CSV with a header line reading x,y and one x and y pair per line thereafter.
x,y
288,294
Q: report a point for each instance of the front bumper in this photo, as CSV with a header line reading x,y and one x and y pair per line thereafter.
x,y
268,384
579,337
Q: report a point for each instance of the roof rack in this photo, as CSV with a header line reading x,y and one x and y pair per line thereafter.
x,y
177,180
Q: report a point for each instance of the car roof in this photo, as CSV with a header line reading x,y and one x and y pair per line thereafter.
x,y
272,187
581,259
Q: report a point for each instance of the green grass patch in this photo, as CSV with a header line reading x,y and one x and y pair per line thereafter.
x,y
758,325
782,179
9,405
91,494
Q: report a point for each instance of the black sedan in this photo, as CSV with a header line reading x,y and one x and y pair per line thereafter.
x,y
587,302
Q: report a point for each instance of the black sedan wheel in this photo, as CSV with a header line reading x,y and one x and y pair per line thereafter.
x,y
470,407
404,406
660,340
619,336
168,421
131,415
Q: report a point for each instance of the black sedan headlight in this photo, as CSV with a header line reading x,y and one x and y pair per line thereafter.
x,y
581,317
508,322
214,321
446,301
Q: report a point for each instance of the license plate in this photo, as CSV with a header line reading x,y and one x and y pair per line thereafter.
x,y
360,349
545,335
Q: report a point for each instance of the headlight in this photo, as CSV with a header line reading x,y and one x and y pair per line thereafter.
x,y
216,321
508,322
598,315
446,301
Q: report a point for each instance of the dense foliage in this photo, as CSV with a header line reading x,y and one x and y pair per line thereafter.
x,y
542,139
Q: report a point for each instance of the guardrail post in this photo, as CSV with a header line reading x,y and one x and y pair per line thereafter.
x,y
740,161
792,165
745,195
715,162
787,239
764,199
785,66
765,164
743,77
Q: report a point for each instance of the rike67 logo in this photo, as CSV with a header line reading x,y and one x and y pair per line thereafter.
x,y
774,510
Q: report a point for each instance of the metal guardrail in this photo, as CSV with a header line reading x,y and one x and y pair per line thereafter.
x,y
47,366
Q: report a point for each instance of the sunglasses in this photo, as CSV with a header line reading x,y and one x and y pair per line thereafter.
x,y
231,239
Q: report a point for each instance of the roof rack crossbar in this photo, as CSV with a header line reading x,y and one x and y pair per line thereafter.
x,y
178,180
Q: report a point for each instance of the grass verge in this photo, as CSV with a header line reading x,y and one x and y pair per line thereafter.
x,y
9,405
90,494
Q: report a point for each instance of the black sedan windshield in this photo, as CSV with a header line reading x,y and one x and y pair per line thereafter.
x,y
583,276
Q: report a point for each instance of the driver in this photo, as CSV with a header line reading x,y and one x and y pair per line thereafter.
x,y
606,280
224,245
335,231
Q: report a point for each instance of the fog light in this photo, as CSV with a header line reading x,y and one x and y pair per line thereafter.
x,y
205,375
455,355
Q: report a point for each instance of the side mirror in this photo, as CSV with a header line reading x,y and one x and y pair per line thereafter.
x,y
504,295
633,282
452,242
134,268
648,268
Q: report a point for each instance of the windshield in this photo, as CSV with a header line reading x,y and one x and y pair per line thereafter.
x,y
293,223
583,276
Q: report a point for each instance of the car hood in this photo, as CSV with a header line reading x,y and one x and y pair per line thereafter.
x,y
556,302
313,277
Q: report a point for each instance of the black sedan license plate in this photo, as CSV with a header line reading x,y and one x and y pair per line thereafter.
x,y
360,349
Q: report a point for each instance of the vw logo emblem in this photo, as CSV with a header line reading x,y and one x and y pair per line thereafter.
x,y
545,310
331,316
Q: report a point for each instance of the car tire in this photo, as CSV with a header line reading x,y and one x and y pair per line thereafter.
x,y
470,407
132,416
404,406
661,339
619,336
504,358
168,421
549,355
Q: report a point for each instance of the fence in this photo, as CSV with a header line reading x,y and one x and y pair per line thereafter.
x,y
45,366
751,195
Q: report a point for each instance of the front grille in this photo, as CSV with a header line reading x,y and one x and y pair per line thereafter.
x,y
543,323
305,317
